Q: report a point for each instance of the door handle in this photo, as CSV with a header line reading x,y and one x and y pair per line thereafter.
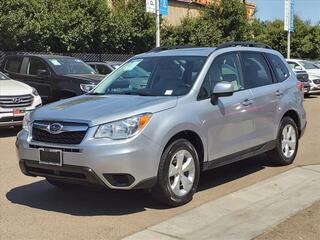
x,y
279,93
247,102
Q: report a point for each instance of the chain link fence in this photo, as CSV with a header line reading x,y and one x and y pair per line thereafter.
x,y
92,57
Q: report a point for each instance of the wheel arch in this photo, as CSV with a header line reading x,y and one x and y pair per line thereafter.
x,y
195,140
295,117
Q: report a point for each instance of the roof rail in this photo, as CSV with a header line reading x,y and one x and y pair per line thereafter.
x,y
164,48
243,44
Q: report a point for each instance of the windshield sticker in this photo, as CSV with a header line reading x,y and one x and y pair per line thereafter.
x,y
168,92
55,62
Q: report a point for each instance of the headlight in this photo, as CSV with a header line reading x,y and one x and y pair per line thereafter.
x,y
35,92
87,87
125,128
26,123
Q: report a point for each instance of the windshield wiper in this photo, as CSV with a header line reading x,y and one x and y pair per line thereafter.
x,y
137,92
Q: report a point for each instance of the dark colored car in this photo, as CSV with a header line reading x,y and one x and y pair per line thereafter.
x,y
54,77
104,68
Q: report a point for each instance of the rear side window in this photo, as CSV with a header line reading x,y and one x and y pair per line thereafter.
x,y
13,65
255,70
280,69
102,69
35,65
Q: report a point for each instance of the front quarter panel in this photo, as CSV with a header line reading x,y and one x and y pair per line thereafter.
x,y
166,124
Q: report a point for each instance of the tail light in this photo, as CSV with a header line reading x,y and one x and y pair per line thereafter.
x,y
300,85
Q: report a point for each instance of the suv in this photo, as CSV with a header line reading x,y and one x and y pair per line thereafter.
x,y
54,77
166,115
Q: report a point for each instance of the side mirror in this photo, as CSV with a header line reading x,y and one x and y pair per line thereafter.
x,y
42,73
298,68
222,89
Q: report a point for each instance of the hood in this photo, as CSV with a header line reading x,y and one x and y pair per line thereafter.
x,y
13,88
314,73
87,77
96,110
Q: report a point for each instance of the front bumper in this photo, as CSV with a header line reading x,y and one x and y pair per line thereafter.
x,y
137,158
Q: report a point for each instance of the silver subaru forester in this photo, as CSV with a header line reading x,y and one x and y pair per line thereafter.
x,y
165,116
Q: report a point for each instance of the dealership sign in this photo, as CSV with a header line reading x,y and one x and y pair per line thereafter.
x,y
289,16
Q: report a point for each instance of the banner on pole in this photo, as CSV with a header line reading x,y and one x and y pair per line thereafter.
x,y
151,6
163,6
289,15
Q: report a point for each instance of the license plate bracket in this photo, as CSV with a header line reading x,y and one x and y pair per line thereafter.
x,y
18,111
50,156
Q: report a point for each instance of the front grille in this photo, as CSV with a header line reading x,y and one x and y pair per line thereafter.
x,y
11,119
72,134
16,101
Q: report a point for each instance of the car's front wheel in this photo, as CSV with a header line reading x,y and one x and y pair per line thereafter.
x,y
287,143
178,174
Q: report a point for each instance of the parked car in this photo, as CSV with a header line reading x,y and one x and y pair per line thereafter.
x,y
16,99
54,77
104,68
317,63
166,115
312,70
303,77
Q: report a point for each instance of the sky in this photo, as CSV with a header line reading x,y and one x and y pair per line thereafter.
x,y
274,9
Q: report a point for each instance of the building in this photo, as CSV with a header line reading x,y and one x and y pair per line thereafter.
x,y
250,10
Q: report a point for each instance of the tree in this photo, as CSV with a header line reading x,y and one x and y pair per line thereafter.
x,y
52,25
305,40
220,22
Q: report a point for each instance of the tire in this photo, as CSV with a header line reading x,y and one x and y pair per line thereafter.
x,y
307,95
59,184
164,191
279,154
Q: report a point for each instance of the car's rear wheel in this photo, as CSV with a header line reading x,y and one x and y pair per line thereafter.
x,y
287,143
178,174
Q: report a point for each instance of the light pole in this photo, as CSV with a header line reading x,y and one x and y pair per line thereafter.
x,y
158,23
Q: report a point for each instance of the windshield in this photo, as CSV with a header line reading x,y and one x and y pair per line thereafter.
x,y
308,65
65,66
3,76
155,76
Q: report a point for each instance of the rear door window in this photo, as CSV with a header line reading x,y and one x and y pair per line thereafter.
x,y
13,65
255,70
280,69
35,65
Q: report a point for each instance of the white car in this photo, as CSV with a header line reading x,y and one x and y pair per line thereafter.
x,y
16,99
312,70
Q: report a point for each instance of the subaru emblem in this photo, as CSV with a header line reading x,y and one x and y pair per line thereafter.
x,y
55,128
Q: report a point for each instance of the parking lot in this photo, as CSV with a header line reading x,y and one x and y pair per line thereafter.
x,y
30,208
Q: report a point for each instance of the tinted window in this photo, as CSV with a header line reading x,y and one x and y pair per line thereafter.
x,y
157,76
65,66
255,70
280,69
308,65
225,68
102,69
35,65
13,65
